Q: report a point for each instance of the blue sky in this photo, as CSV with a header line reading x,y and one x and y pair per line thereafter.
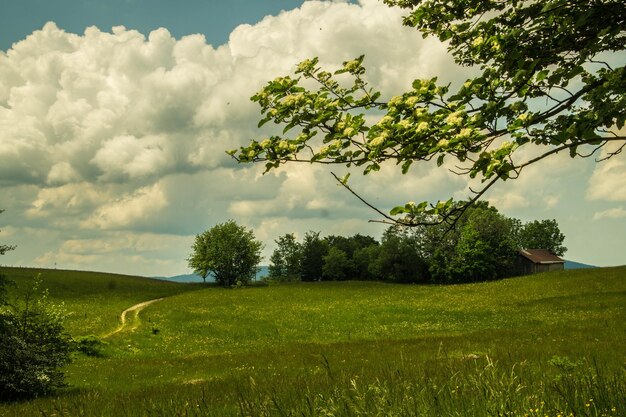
x,y
215,19
113,139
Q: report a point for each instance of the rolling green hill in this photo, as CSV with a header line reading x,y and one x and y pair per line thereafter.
x,y
552,343
94,300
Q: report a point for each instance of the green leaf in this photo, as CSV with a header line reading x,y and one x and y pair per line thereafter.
x,y
575,71
398,210
406,165
263,121
541,75
288,127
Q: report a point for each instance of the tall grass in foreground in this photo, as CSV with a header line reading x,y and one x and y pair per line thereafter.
x,y
445,387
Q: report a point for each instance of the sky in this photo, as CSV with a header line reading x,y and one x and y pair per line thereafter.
x,y
115,117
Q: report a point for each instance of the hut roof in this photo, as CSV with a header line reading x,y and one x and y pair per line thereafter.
x,y
541,256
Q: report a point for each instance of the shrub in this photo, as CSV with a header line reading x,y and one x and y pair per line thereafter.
x,y
33,347
90,345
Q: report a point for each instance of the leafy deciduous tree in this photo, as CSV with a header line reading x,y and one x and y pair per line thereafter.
x,y
363,259
228,251
550,79
336,263
544,234
399,257
313,251
485,249
350,246
483,245
285,262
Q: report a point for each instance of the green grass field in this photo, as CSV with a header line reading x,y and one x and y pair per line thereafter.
x,y
543,345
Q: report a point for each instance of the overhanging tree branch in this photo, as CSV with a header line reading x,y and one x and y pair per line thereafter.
x,y
525,50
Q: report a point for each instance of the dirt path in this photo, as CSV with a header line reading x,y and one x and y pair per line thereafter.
x,y
134,309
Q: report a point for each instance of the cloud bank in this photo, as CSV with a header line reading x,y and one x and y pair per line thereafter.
x,y
112,139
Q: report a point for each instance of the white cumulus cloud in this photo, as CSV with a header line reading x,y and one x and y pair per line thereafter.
x,y
614,213
113,135
129,210
608,181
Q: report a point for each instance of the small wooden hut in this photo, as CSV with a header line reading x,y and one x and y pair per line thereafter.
x,y
531,261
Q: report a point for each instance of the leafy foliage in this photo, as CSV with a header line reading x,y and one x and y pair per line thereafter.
x,y
313,251
363,260
228,251
355,267
483,246
544,234
337,257
5,248
336,263
285,262
33,347
399,258
545,83
90,345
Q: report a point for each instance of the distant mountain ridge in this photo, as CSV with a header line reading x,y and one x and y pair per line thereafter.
x,y
190,278
577,265
264,271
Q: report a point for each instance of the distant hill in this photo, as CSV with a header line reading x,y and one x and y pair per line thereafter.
x,y
263,272
577,265
185,278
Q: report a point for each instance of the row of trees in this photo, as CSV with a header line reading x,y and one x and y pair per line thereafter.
x,y
483,246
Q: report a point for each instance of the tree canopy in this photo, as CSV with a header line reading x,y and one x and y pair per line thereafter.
x,y
548,80
285,262
313,251
228,251
399,257
544,234
5,248
483,245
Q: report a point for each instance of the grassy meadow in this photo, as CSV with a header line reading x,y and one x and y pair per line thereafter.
x,y
93,300
542,345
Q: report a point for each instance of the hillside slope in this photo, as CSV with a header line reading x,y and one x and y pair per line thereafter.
x,y
548,342
93,299
334,312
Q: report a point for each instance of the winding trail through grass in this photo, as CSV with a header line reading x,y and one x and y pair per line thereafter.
x,y
133,309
